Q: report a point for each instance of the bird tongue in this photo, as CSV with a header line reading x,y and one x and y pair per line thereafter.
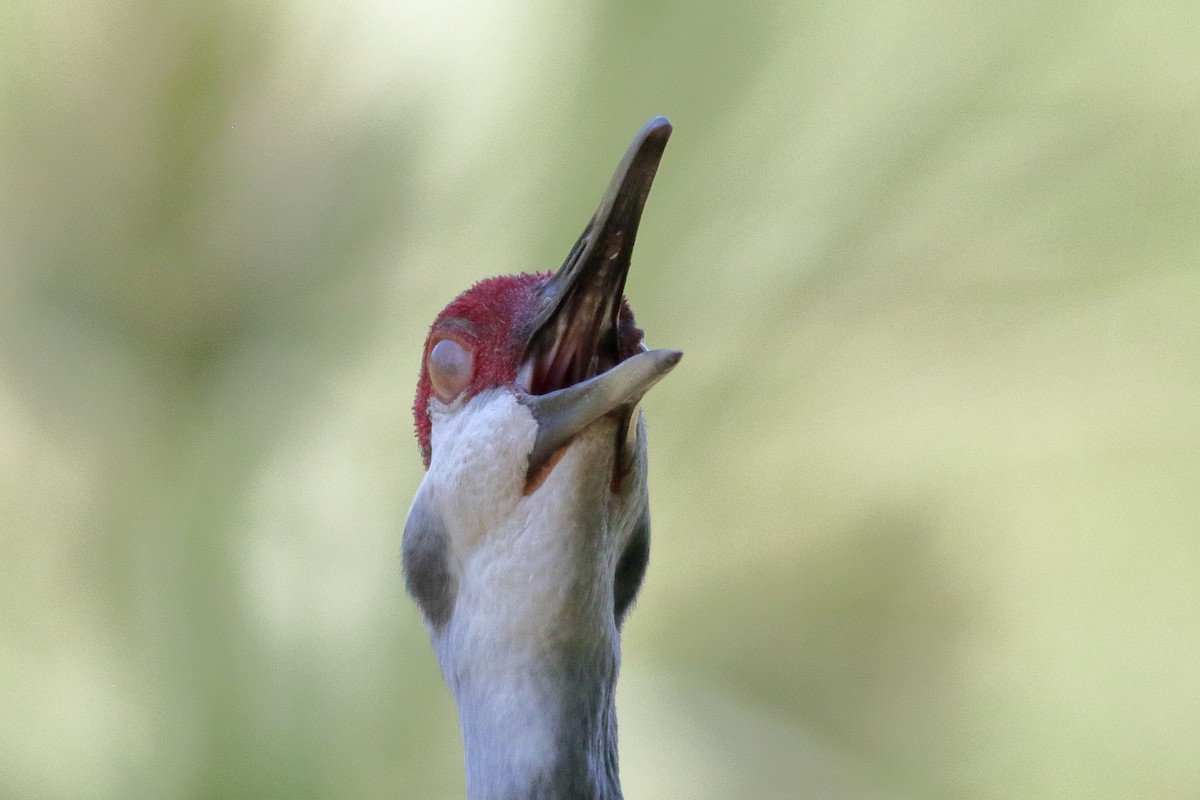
x,y
575,336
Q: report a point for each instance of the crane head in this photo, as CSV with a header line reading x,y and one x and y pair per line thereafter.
x,y
529,536
540,332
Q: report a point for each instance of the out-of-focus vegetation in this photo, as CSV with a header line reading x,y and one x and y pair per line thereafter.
x,y
926,488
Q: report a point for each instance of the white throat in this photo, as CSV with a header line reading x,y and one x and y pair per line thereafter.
x,y
531,649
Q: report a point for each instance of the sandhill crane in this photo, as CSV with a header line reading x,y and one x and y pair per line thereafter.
x,y
528,538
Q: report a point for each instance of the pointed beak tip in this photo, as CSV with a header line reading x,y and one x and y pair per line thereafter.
x,y
658,126
667,359
657,363
650,142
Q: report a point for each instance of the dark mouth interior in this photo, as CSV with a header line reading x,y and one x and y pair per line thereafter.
x,y
578,341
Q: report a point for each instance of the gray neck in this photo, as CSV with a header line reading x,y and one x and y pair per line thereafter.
x,y
546,733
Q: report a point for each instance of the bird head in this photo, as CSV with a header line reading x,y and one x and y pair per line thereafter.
x,y
529,535
537,333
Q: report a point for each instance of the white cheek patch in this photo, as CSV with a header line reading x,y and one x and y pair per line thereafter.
x,y
480,454
515,552
522,561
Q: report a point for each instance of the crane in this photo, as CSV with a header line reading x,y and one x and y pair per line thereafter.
x,y
528,538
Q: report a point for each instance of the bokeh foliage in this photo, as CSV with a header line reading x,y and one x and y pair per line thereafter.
x,y
925,487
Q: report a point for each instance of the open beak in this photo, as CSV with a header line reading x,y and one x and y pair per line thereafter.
x,y
573,371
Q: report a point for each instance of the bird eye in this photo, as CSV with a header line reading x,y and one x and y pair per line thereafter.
x,y
449,366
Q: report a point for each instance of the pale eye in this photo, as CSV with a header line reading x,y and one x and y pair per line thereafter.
x,y
449,366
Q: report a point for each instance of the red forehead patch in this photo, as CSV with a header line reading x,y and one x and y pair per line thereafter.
x,y
494,320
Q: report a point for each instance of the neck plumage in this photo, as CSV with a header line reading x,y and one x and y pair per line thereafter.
x,y
548,731
524,624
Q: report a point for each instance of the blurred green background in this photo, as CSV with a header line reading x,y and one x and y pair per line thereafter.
x,y
926,488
